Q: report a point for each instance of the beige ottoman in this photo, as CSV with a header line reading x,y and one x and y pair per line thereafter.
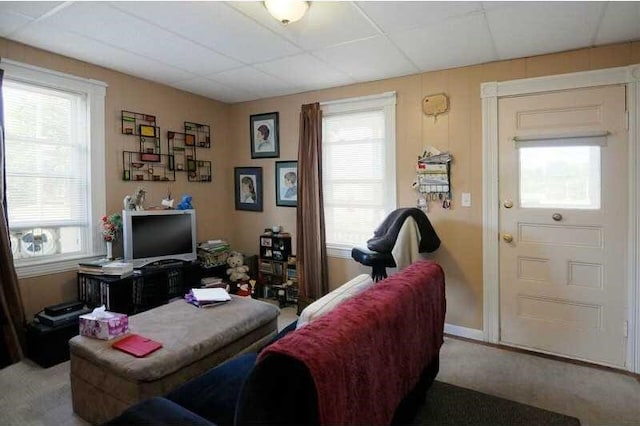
x,y
105,381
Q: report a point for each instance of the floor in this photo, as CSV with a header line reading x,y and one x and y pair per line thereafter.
x,y
596,396
32,395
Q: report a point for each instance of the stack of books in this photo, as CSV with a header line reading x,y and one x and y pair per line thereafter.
x,y
207,297
213,253
93,267
106,267
212,282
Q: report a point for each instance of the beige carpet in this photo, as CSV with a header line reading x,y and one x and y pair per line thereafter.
x,y
31,395
594,395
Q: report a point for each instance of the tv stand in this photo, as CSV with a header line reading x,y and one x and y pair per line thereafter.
x,y
163,264
147,288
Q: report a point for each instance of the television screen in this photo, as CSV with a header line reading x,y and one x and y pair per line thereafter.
x,y
152,236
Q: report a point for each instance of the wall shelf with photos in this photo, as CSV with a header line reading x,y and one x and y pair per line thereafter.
x,y
146,166
182,151
200,132
199,171
149,164
145,127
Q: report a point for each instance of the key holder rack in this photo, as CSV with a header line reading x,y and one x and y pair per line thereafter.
x,y
433,178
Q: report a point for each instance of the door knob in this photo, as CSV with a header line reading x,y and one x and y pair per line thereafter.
x,y
556,216
508,204
507,237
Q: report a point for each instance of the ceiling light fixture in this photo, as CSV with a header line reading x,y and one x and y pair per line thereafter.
x,y
287,11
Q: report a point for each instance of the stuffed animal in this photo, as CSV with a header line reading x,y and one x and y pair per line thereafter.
x,y
237,269
185,204
243,290
135,201
138,198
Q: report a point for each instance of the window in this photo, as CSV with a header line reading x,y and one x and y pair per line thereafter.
x,y
54,150
560,177
358,169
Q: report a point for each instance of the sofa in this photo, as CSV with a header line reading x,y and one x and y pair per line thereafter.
x,y
368,360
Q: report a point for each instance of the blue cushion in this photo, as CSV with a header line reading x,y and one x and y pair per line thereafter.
x,y
213,395
157,411
288,329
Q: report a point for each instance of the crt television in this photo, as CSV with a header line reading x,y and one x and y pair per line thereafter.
x,y
158,235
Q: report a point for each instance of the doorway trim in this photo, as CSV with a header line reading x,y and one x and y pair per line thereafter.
x,y
490,92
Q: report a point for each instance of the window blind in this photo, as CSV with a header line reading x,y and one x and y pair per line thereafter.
x,y
356,179
46,157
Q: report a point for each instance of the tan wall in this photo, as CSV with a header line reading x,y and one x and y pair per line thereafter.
x,y
171,107
459,131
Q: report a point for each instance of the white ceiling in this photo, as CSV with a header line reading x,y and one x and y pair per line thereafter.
x,y
235,51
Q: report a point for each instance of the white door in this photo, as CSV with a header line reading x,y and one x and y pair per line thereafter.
x,y
563,222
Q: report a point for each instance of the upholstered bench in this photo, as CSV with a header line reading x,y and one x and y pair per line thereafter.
x,y
105,381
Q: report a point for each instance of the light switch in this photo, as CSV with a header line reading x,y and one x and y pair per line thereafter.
x,y
465,199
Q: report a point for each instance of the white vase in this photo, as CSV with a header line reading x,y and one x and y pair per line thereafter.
x,y
109,250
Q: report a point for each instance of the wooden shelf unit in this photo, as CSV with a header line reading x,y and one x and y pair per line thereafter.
x,y
275,268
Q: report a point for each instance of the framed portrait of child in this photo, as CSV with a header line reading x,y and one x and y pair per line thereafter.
x,y
287,183
265,140
248,188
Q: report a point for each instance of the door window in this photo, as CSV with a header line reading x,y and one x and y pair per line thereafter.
x,y
560,177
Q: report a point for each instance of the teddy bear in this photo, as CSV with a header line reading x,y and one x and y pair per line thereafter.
x,y
237,270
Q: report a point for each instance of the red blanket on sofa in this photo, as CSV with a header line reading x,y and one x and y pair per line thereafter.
x,y
368,353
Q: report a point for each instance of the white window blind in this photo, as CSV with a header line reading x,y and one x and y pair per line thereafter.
x,y
54,146
358,145
46,149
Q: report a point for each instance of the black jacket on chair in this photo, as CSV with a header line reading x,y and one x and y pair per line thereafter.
x,y
384,238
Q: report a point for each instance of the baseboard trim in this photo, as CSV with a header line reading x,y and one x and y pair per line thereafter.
x,y
469,333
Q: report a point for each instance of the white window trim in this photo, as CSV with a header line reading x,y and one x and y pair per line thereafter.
x,y
387,102
95,92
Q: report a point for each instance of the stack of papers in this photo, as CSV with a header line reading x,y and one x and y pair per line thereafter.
x,y
105,267
117,268
93,267
204,297
432,155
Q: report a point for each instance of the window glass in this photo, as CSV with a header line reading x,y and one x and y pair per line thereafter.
x,y
358,171
47,170
55,170
560,177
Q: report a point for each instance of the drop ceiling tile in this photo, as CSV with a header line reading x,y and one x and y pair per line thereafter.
x,y
116,28
621,21
371,59
393,16
451,43
253,81
211,89
493,5
30,9
10,22
306,72
535,28
216,26
64,43
325,23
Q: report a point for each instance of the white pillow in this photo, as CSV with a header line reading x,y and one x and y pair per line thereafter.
x,y
334,298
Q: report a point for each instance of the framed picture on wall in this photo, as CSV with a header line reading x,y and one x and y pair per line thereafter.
x,y
248,188
265,140
287,183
